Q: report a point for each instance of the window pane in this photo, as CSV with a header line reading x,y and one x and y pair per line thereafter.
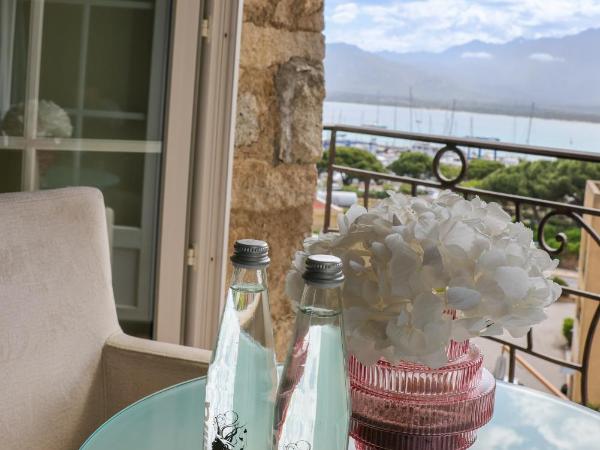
x,y
102,128
129,182
120,177
104,65
118,63
10,170
61,51
14,40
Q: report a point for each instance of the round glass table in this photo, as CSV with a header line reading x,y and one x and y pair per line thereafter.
x,y
172,419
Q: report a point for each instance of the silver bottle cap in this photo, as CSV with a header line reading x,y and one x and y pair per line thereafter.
x,y
324,270
250,253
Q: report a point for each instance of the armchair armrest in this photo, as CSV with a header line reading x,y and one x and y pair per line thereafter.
x,y
134,368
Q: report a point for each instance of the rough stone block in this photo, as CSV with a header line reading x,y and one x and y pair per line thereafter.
x,y
266,46
293,15
259,12
255,133
247,125
304,15
300,91
260,187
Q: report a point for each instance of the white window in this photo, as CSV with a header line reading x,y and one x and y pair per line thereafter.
x,y
106,93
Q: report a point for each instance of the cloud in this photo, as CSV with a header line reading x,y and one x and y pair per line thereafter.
x,y
344,13
546,57
498,437
435,25
558,430
476,55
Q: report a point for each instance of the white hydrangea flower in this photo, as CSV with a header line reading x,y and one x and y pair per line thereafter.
x,y
410,261
53,121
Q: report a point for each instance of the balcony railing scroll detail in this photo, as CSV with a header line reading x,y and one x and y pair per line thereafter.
x,y
553,209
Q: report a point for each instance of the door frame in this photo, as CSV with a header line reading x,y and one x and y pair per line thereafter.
x,y
176,173
209,230
196,191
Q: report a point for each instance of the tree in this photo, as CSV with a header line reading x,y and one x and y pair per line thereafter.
x,y
413,164
352,157
481,168
562,180
571,177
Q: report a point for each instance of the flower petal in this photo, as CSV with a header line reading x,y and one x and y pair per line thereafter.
x,y
463,298
513,281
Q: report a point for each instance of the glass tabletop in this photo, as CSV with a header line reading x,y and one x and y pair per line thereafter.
x,y
523,419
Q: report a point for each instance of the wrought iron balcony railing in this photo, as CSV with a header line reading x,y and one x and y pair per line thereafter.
x,y
552,209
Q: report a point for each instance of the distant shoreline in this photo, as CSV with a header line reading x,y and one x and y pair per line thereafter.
x,y
522,110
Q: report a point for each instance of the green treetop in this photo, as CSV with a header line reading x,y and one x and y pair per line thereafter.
x,y
352,157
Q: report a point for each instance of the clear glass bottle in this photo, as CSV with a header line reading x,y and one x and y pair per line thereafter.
x,y
312,411
242,377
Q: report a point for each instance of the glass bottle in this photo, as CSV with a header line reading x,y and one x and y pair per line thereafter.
x,y
312,410
242,377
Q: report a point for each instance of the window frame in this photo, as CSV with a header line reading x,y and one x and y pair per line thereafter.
x,y
176,171
193,244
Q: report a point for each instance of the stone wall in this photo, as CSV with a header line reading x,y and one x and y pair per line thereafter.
x,y
278,135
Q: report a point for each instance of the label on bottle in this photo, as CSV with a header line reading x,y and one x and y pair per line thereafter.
x,y
229,433
300,445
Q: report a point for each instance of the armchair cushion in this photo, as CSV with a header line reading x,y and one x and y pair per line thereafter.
x,y
56,312
134,368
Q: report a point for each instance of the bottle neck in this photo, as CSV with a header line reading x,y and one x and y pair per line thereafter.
x,y
325,300
242,276
250,280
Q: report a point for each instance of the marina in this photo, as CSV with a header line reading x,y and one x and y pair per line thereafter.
x,y
583,136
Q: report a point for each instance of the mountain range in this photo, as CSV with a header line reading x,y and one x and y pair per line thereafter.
x,y
560,75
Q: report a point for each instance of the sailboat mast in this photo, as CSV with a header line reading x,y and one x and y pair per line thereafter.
x,y
377,109
410,109
451,126
530,122
394,142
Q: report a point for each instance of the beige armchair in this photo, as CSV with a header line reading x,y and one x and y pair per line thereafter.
x,y
65,364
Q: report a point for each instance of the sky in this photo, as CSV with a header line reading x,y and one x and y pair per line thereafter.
x,y
435,25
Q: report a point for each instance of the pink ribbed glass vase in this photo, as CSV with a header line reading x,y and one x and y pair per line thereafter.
x,y
410,406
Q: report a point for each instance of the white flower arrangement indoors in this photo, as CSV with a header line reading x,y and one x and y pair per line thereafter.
x,y
421,272
52,121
